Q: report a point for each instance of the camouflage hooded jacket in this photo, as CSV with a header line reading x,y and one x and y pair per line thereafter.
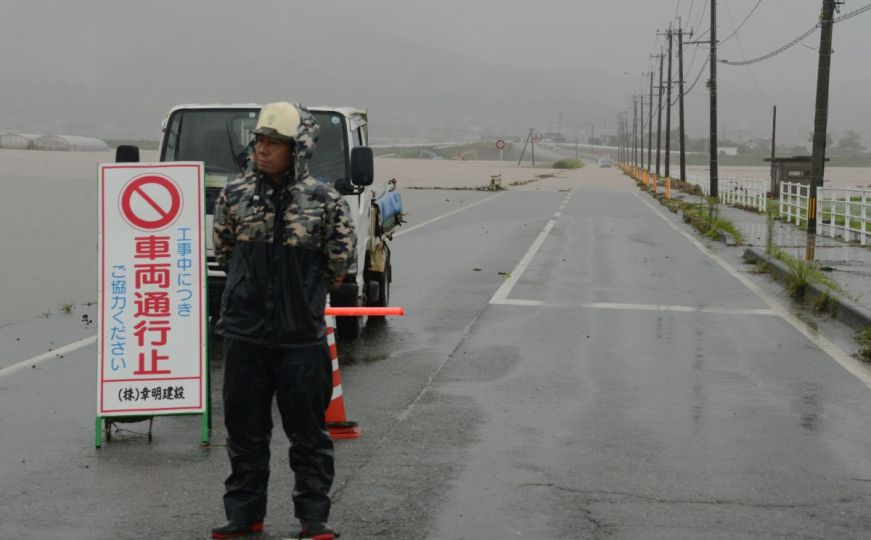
x,y
279,270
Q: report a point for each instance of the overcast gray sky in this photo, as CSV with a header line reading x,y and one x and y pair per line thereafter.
x,y
452,67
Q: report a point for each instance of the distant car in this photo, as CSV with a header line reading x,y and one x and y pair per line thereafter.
x,y
605,163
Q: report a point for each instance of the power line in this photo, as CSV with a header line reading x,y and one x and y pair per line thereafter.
x,y
789,45
747,18
796,41
695,81
741,48
851,14
702,16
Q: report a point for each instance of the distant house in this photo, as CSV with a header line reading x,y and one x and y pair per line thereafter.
x,y
729,150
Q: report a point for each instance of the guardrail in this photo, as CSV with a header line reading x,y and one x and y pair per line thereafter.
x,y
844,212
743,192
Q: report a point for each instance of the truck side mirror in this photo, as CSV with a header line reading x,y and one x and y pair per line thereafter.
x,y
362,166
127,153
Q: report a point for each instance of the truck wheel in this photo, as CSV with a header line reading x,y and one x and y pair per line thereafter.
x,y
382,279
347,328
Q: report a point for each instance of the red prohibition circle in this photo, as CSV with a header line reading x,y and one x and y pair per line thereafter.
x,y
500,144
167,215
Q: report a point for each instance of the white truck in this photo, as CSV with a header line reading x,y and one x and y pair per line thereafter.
x,y
220,135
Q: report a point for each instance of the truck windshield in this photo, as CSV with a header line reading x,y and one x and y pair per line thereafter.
x,y
219,138
329,161
216,137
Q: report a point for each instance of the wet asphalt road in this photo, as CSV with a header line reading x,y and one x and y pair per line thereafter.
x,y
604,380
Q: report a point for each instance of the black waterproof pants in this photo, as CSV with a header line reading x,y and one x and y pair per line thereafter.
x,y
301,379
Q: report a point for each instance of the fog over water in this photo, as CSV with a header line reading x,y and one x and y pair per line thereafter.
x,y
436,70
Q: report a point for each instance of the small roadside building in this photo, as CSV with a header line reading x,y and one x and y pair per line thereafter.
x,y
789,169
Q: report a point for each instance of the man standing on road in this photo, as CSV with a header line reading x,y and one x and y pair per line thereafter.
x,y
285,240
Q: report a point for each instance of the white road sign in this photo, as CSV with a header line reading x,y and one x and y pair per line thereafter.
x,y
151,353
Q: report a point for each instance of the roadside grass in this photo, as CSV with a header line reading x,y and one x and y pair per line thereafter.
x,y
864,339
803,273
686,187
705,217
761,267
568,163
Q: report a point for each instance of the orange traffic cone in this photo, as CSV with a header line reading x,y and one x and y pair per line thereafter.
x,y
337,423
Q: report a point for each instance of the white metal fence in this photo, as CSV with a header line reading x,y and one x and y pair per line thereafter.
x,y
743,192
793,202
844,212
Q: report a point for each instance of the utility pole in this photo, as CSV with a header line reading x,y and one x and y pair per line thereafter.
x,y
712,86
659,114
821,119
529,141
650,126
623,137
532,145
668,107
683,155
773,150
641,129
619,140
635,131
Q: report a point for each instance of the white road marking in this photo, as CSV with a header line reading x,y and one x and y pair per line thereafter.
x,y
638,307
845,360
20,366
517,302
449,214
509,284
502,294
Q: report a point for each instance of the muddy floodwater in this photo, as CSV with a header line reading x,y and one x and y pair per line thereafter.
x,y
48,255
839,177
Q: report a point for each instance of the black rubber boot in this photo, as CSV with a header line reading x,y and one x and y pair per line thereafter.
x,y
237,529
314,530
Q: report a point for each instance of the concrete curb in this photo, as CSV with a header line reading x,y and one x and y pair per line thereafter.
x,y
842,309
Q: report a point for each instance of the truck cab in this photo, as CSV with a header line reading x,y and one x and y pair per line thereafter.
x,y
220,136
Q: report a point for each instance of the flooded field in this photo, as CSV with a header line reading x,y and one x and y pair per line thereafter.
x,y
842,177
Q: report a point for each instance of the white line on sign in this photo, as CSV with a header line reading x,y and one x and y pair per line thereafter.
x,y
845,360
449,214
20,366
